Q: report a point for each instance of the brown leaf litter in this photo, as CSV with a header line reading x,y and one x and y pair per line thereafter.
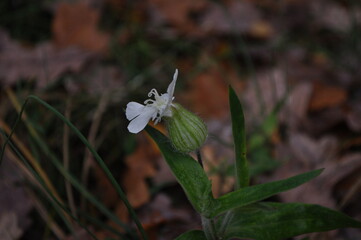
x,y
44,62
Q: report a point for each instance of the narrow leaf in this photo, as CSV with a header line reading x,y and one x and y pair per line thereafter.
x,y
259,192
192,235
188,172
239,137
275,221
66,174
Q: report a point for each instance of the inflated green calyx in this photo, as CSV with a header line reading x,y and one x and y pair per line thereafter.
x,y
186,130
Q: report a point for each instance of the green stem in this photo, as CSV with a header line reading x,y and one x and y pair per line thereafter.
x,y
225,222
209,228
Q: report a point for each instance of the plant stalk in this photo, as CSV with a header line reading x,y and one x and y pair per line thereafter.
x,y
209,228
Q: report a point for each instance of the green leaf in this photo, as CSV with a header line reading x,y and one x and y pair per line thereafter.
x,y
239,137
274,221
248,195
188,172
192,235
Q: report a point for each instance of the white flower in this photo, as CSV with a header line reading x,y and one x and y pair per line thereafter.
x,y
139,115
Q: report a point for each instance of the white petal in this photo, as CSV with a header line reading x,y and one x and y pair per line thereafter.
x,y
139,123
133,109
171,87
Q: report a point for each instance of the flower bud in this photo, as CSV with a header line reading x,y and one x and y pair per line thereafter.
x,y
187,131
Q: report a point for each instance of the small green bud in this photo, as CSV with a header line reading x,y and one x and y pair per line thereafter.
x,y
186,130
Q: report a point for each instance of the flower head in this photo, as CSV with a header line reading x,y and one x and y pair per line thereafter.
x,y
139,115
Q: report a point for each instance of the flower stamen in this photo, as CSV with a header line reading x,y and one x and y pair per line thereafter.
x,y
153,92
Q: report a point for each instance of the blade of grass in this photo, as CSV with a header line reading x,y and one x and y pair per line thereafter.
x,y
31,179
58,204
66,174
68,189
61,213
35,164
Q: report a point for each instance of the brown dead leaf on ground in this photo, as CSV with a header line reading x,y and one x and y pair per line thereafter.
x,y
208,93
235,17
306,154
221,183
323,121
311,152
43,62
77,24
140,167
261,30
317,107
9,228
178,13
15,205
164,174
326,96
303,154
321,190
296,107
97,80
105,188
335,16
263,93
353,117
160,212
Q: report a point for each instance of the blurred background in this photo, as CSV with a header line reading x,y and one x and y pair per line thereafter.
x,y
296,66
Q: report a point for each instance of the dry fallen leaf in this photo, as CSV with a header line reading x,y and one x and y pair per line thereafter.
x,y
325,96
261,29
15,204
164,174
9,229
295,110
77,24
105,188
335,16
44,62
305,154
263,93
221,183
312,152
235,17
208,94
177,13
353,118
140,167
98,79
161,212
